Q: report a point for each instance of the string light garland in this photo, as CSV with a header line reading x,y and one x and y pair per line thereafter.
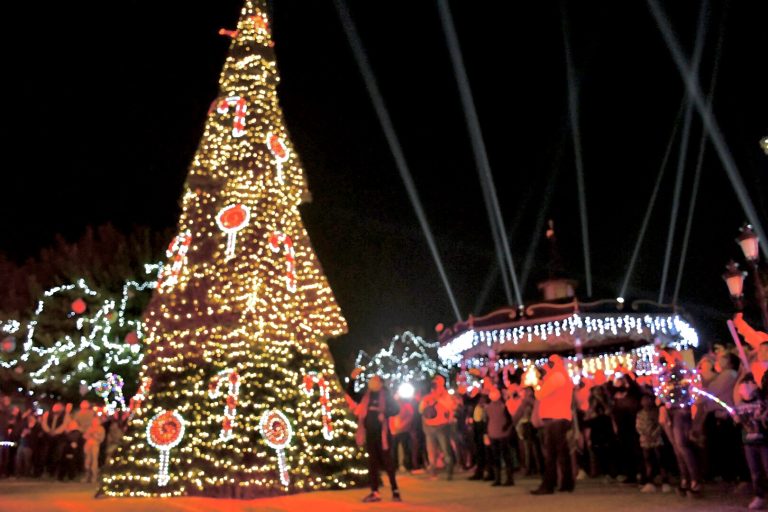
x,y
595,326
407,358
233,307
95,341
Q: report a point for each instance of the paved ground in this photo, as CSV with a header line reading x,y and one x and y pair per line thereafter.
x,y
419,493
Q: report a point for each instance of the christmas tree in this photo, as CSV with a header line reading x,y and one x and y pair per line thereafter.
x,y
239,396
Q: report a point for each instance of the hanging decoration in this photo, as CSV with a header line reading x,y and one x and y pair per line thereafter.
x,y
228,33
111,385
232,378
177,254
676,385
241,108
78,306
8,344
312,379
279,151
276,431
230,220
278,240
164,431
135,404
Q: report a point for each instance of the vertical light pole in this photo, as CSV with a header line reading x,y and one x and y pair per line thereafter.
x,y
749,243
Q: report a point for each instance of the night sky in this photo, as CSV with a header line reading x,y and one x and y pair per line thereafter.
x,y
107,102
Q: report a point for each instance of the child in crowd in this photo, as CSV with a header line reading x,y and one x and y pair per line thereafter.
x,y
499,434
94,435
649,430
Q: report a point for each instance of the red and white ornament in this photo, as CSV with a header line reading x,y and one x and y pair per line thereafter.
x,y
277,241
164,431
177,254
277,432
230,220
311,380
279,151
135,404
241,109
232,379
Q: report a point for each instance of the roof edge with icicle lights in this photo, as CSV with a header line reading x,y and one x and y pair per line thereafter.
x,y
565,327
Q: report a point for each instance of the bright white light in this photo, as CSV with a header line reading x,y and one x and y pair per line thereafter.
x,y
620,300
405,390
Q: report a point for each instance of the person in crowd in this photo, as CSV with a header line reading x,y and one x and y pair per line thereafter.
x,y
723,439
528,433
555,396
758,340
54,425
84,416
625,403
400,425
752,414
601,436
373,408
477,402
68,466
437,410
649,430
678,415
93,436
706,369
499,434
418,442
29,441
6,428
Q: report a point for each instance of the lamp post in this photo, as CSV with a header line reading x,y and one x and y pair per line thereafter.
x,y
734,280
764,144
749,243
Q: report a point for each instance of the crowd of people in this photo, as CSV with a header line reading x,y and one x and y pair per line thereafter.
x,y
62,443
666,432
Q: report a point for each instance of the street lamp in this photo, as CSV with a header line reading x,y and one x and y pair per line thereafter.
x,y
750,246
764,144
734,280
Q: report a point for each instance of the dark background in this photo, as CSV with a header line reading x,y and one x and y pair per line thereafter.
x,y
107,102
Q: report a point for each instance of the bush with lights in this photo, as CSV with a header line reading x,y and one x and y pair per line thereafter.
x,y
239,396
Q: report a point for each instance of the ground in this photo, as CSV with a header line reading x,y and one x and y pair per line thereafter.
x,y
419,493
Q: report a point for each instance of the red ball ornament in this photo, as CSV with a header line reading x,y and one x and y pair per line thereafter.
x,y
439,327
79,306
8,344
132,338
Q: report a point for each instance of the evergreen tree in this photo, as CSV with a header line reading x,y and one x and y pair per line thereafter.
x,y
236,359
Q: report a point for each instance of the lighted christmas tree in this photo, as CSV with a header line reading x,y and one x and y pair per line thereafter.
x,y
239,394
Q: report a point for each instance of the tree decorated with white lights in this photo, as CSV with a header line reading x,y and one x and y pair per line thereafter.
x,y
239,395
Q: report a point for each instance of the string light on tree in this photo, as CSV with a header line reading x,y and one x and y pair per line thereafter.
x,y
231,378
280,240
311,380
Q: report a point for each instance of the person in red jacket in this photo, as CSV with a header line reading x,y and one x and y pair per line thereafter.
x,y
555,396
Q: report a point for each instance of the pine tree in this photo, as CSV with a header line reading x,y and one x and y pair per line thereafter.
x,y
237,328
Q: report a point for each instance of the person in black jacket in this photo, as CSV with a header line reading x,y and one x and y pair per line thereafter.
x,y
373,409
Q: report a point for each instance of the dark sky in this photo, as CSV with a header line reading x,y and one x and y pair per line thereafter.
x,y
107,102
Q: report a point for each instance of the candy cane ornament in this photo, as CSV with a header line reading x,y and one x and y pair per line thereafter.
x,y
232,378
310,380
278,240
135,404
279,151
241,109
177,254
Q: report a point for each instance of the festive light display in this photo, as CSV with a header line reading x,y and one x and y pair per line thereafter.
x,y
95,350
675,386
276,431
279,152
276,240
111,385
408,358
311,380
594,326
232,380
177,256
165,431
231,309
